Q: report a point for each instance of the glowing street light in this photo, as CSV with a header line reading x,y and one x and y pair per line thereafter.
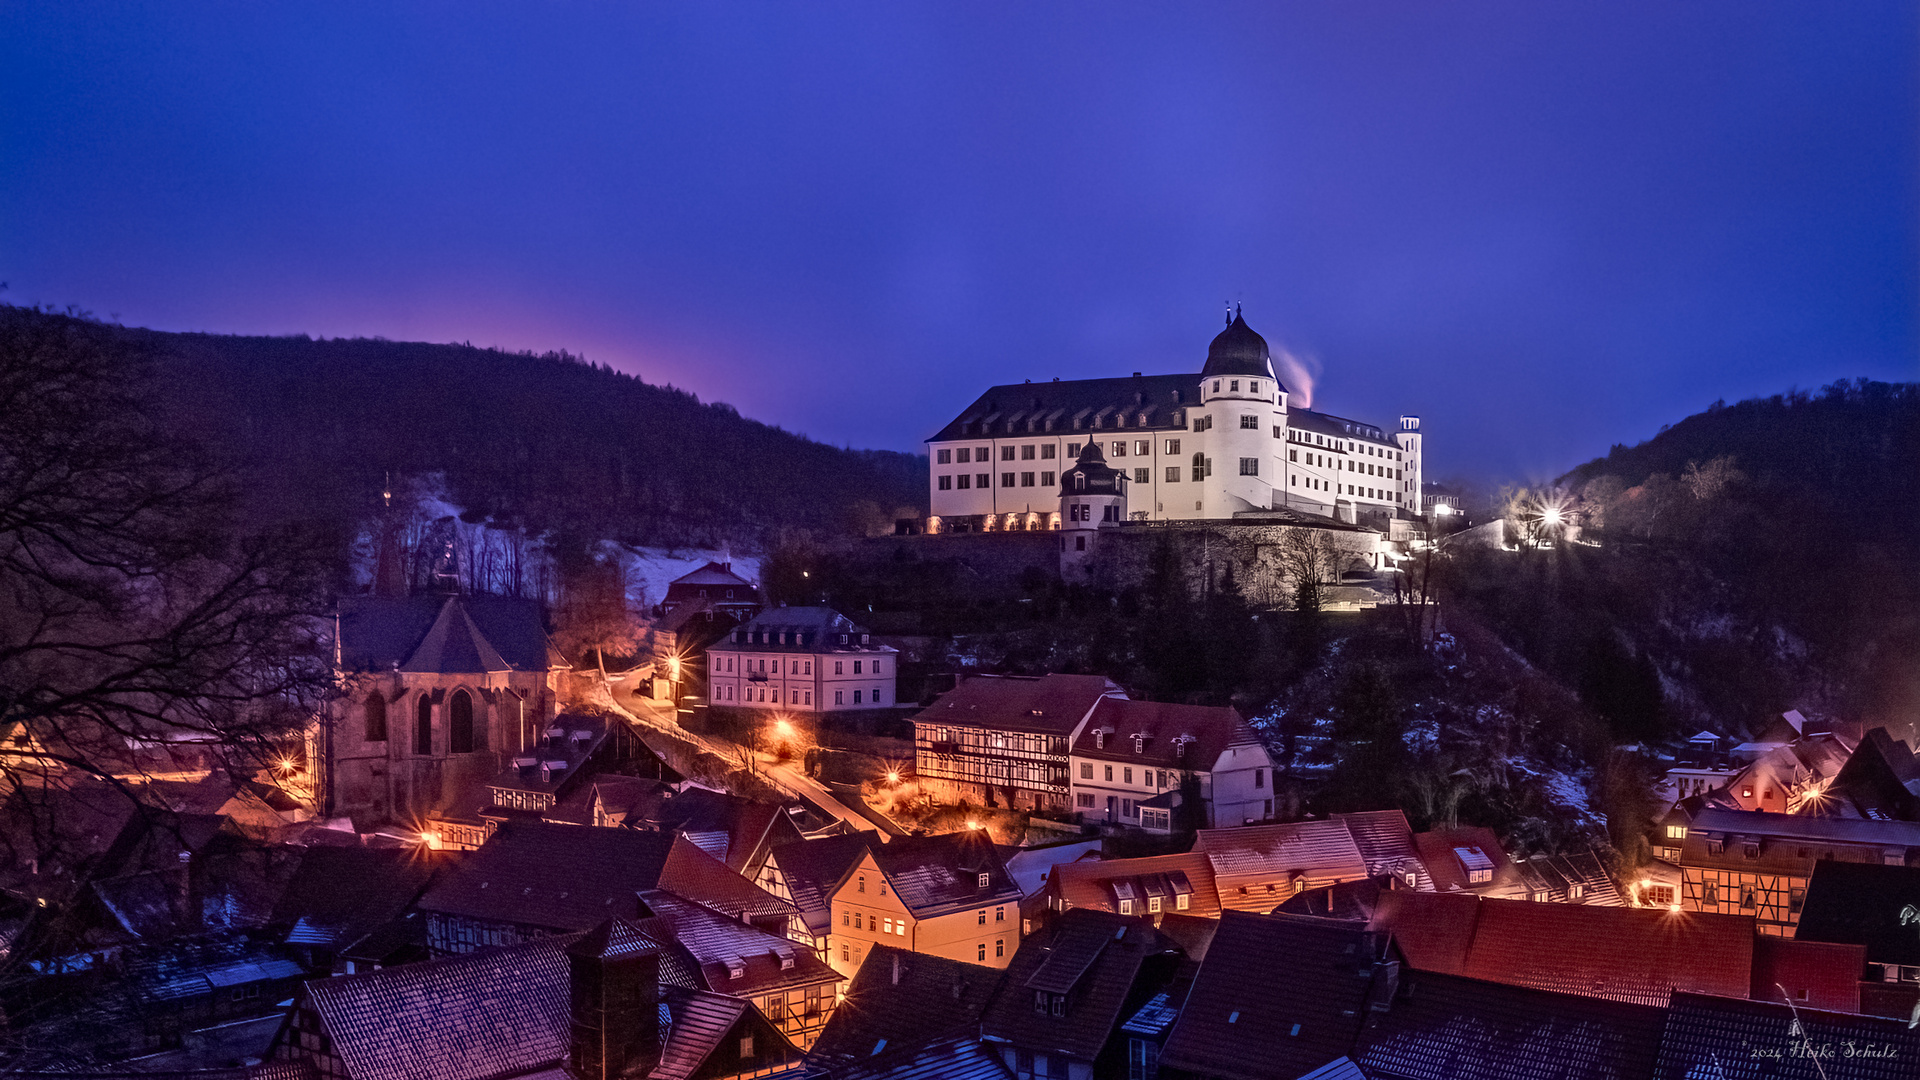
x,y
893,776
1552,516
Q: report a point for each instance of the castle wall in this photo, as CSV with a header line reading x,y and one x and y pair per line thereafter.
x,y
1205,551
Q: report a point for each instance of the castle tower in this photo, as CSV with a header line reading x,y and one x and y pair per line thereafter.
x,y
1408,440
1243,406
1093,496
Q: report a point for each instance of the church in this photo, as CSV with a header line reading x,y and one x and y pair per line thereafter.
x,y
1212,445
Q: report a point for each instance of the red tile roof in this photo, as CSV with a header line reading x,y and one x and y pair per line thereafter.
x,y
1255,867
1091,884
1205,731
1637,955
1049,704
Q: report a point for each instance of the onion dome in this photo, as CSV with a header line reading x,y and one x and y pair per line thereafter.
x,y
1238,351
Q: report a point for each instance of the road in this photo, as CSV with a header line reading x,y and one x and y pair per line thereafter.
x,y
785,776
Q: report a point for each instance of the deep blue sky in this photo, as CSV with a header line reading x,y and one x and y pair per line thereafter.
x,y
1545,227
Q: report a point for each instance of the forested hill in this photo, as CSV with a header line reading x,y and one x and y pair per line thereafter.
x,y
1853,445
550,442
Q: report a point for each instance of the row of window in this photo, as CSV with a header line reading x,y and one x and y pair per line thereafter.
x,y
1001,740
463,737
759,695
1358,490
1342,465
1345,446
796,666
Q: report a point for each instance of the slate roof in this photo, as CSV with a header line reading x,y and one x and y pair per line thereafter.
x,y
491,1014
695,875
1092,885
1236,1027
1033,867
1728,1039
717,944
901,999
815,868
1053,407
1238,350
1444,1027
955,1057
1205,732
1100,961
1386,845
1047,704
1555,876
727,827
934,875
458,634
1636,955
560,877
1254,865
1862,904
1347,900
807,630
1881,779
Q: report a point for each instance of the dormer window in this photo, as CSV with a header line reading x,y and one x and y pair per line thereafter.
x,y
1139,743
1216,386
984,878
1099,739
1126,907
735,969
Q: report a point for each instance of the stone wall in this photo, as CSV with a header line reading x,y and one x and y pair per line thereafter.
x,y
1205,551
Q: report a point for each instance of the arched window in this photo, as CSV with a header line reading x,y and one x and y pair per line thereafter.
x,y
460,724
376,717
423,727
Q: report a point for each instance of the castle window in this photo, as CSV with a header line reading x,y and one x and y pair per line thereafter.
x,y
946,483
1027,452
944,457
1216,386
1046,452
1048,479
1250,423
1173,446
376,717
1233,387
1120,448
966,481
1253,387
1249,466
460,724
1006,479
1173,474
423,727
1006,453
982,481
1026,479
1142,476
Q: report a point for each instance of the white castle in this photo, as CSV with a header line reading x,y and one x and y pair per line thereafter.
x,y
1221,443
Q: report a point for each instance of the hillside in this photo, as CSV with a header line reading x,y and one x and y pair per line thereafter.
x,y
551,443
1748,559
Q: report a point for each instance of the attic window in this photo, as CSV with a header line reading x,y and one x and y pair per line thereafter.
x,y
736,968
984,878
1099,739
1139,743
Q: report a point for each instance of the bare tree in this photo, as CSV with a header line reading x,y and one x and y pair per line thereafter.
x,y
1312,561
141,610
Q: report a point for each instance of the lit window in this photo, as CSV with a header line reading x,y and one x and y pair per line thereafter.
x,y
1676,832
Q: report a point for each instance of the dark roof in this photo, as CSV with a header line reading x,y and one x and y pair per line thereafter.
x,y
1559,875
454,634
1074,405
1864,904
719,946
1745,1040
933,875
1272,854
1637,955
1238,1024
1101,478
1347,900
1440,851
1337,427
1237,350
955,1057
559,877
339,895
1047,704
714,573
901,999
815,868
1097,961
1206,733
1443,1027
728,827
1881,779
497,1013
807,629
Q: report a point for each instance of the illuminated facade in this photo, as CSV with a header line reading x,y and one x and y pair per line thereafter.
x,y
1754,863
801,660
1211,445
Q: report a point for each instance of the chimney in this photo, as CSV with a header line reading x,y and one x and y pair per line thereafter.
x,y
896,969
614,977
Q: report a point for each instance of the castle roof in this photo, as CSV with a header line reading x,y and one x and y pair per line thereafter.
x,y
1237,350
1100,478
1139,403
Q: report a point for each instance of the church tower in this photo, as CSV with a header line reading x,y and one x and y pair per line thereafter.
x,y
1093,496
1244,410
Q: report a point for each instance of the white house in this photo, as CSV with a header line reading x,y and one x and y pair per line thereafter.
x,y
1210,445
801,660
1128,759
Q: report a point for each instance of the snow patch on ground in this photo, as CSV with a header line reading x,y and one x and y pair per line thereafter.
x,y
650,570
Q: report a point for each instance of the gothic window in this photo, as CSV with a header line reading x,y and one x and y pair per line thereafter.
x,y
460,724
423,727
376,717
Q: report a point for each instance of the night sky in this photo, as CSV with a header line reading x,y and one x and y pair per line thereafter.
x,y
1544,227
